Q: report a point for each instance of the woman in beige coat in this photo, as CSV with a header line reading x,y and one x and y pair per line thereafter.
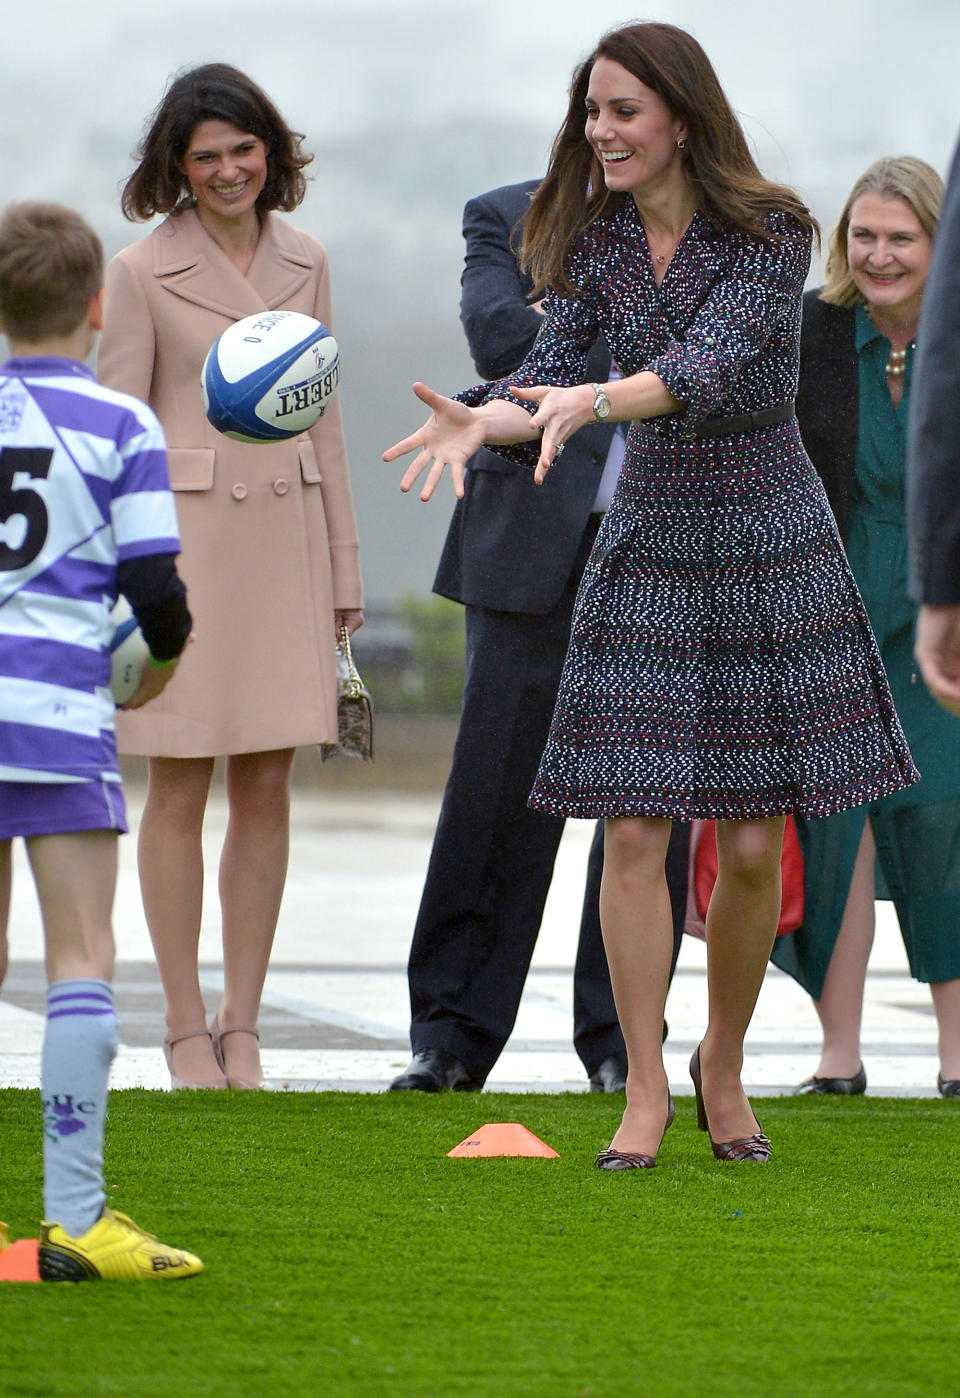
x,y
269,545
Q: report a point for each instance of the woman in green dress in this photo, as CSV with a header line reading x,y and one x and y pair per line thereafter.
x,y
856,365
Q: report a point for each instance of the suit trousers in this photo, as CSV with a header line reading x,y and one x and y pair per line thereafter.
x,y
492,858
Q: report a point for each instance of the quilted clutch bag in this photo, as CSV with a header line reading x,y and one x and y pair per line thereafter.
x,y
354,709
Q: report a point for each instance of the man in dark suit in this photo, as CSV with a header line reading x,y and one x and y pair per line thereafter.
x,y
513,556
933,462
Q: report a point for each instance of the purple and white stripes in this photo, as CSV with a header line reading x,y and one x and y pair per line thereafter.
x,y
83,471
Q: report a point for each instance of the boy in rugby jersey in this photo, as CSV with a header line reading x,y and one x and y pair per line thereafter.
x,y
85,511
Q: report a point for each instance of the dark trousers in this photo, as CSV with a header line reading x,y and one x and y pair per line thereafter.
x,y
492,858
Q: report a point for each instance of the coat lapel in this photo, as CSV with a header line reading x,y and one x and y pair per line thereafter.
x,y
189,264
280,266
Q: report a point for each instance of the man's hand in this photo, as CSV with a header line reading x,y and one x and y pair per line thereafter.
x,y
937,649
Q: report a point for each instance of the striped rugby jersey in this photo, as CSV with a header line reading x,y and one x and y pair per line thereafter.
x,y
83,487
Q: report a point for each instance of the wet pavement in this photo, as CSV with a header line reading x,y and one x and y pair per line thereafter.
x,y
335,1010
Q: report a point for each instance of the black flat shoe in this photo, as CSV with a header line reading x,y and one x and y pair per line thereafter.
x,y
843,1087
435,1070
611,1159
611,1076
756,1149
948,1087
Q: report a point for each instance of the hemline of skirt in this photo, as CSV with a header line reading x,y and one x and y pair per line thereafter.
x,y
578,804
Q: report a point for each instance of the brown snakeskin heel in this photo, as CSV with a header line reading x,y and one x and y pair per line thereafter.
x,y
749,1148
611,1159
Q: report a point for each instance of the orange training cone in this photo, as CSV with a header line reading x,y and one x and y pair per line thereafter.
x,y
503,1138
18,1262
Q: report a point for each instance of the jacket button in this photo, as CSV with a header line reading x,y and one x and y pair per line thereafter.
x,y
281,487
239,491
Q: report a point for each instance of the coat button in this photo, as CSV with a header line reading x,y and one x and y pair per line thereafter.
x,y
281,487
239,491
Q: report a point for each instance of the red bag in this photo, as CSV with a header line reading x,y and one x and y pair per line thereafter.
x,y
703,875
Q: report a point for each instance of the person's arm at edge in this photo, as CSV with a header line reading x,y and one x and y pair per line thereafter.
x,y
498,321
933,463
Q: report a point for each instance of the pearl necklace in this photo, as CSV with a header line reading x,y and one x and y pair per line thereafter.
x,y
897,362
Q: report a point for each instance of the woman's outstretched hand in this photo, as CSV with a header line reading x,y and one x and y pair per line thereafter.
x,y
560,413
449,437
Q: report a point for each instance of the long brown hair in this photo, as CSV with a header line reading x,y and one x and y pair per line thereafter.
x,y
892,177
730,189
212,92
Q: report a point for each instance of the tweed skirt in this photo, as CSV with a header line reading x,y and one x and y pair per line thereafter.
x,y
721,663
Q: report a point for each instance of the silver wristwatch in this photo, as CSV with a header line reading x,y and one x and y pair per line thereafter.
x,y
601,404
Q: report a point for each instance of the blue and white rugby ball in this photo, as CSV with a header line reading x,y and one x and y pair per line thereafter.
x,y
270,376
129,653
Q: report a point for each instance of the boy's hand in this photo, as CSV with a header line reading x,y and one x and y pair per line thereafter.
x,y
156,677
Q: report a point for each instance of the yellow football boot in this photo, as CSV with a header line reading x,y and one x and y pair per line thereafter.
x,y
4,1237
114,1249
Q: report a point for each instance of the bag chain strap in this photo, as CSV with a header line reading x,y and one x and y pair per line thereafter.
x,y
354,682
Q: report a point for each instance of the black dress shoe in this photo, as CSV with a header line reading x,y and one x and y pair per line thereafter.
x,y
611,1076
843,1087
948,1087
433,1070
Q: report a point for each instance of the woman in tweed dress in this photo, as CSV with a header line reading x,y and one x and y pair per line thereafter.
x,y
721,663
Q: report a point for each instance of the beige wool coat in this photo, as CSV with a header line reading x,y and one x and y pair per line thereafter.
x,y
268,531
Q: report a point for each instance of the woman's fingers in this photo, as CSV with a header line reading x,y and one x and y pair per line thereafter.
x,y
535,394
416,467
401,448
431,482
433,400
350,617
550,451
443,416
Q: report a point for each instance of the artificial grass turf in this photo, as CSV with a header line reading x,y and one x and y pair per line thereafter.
x,y
346,1255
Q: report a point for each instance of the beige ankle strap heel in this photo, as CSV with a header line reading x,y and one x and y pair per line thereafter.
x,y
179,1084
218,1034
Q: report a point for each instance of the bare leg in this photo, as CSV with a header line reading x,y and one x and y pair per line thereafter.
x,y
6,867
76,875
170,859
840,1006
741,925
638,936
253,870
946,1004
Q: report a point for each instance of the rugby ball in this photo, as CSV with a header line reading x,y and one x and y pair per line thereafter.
x,y
129,653
270,376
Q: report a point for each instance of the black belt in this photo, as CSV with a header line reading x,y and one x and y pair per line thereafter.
x,y
746,422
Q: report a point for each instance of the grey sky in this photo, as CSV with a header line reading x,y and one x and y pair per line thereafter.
x,y
412,107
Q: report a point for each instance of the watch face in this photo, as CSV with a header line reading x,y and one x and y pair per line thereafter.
x,y
601,407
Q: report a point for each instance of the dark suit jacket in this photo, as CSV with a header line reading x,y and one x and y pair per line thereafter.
x,y
933,458
827,398
511,544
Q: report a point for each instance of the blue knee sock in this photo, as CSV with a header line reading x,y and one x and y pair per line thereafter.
x,y
78,1048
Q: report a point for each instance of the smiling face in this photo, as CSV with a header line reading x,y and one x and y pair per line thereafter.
x,y
226,169
889,254
632,130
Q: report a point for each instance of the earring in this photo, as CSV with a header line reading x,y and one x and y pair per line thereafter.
x,y
681,144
